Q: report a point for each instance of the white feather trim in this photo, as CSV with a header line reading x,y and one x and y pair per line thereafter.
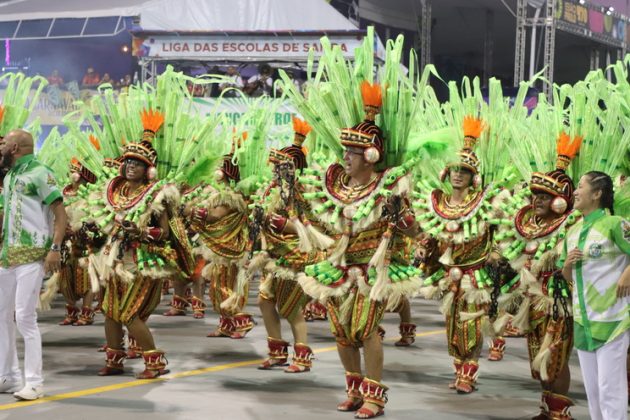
x,y
258,262
232,303
430,292
447,302
381,286
520,320
345,309
123,274
51,289
303,236
318,291
542,359
337,254
403,289
92,271
447,257
469,316
318,239
498,326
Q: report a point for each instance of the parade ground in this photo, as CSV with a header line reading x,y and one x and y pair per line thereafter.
x,y
216,378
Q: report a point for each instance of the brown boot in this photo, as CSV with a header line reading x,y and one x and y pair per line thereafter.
x,y
278,354
178,306
374,399
114,359
467,378
353,390
497,349
135,351
225,328
558,406
198,307
243,323
86,317
407,335
154,364
302,359
72,315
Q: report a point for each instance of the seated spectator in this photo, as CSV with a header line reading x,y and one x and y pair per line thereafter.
x,y
236,82
91,79
55,79
106,79
261,83
126,81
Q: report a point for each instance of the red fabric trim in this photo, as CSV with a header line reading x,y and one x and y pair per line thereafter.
x,y
436,195
333,172
518,223
115,183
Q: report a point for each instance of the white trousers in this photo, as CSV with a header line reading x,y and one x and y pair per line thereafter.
x,y
19,294
604,373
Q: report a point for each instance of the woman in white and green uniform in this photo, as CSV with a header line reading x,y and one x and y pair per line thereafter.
x,y
596,258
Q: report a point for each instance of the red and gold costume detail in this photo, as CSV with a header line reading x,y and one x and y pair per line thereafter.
x,y
367,266
464,232
282,256
545,312
134,271
140,251
349,274
73,280
222,244
191,197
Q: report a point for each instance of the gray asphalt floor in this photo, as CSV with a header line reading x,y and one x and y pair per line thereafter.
x,y
216,378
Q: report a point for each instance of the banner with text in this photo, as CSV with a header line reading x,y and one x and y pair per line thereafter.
x,y
592,21
294,48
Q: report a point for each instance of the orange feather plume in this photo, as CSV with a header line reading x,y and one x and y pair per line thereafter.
x,y
75,162
1,113
301,127
372,94
95,142
567,147
152,120
473,127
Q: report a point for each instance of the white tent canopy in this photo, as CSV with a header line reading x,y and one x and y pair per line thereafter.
x,y
190,15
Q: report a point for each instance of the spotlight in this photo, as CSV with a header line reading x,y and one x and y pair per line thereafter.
x,y
582,1
124,49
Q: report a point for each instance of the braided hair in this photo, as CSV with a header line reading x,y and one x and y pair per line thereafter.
x,y
601,181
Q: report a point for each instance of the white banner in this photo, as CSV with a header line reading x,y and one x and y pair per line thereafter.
x,y
281,130
289,48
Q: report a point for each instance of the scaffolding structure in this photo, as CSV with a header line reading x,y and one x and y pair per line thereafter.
x,y
546,17
424,29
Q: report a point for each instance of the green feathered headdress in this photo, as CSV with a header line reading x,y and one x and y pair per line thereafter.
x,y
18,101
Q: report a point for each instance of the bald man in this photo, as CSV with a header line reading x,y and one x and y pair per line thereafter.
x,y
34,223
